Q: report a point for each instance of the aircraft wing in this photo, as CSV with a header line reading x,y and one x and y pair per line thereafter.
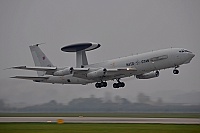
x,y
110,73
119,71
126,69
35,68
80,72
30,78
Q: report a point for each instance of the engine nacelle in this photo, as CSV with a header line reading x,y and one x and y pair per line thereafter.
x,y
65,71
148,75
98,73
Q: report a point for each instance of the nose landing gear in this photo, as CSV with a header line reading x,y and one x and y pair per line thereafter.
x,y
175,71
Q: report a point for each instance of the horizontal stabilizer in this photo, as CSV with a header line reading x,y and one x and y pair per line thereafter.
x,y
35,68
31,78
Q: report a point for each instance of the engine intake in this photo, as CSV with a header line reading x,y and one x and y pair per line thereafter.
x,y
148,75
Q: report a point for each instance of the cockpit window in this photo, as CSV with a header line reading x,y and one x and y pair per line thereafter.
x,y
184,51
188,51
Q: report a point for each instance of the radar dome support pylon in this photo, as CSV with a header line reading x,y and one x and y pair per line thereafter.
x,y
80,49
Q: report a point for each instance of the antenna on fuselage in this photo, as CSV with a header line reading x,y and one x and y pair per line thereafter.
x,y
80,49
37,44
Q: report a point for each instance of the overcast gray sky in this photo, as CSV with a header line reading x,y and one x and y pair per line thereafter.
x,y
122,27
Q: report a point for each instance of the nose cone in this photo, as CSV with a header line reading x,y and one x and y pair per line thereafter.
x,y
190,56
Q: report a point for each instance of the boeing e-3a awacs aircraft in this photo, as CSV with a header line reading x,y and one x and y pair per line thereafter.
x,y
143,66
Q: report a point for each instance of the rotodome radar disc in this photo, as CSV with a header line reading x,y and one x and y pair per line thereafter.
x,y
80,46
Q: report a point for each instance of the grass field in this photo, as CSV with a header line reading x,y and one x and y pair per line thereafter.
x,y
129,115
96,128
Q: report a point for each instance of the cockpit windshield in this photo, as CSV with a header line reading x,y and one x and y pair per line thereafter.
x,y
184,51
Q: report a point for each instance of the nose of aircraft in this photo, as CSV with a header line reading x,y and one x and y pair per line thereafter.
x,y
191,55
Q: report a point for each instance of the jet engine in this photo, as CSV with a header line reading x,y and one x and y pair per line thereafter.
x,y
98,73
65,71
148,75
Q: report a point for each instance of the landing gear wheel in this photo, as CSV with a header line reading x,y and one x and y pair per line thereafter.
x,y
101,84
119,84
98,85
115,85
122,84
104,84
175,71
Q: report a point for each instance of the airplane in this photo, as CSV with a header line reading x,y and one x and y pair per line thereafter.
x,y
142,66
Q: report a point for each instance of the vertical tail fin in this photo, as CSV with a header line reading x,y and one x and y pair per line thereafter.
x,y
40,59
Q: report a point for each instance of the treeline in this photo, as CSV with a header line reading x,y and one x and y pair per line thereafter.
x,y
93,104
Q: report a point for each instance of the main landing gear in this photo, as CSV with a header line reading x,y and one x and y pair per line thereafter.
x,y
115,85
175,71
119,84
101,84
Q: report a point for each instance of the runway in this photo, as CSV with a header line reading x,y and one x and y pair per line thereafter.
x,y
102,120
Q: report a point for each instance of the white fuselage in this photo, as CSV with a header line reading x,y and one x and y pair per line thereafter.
x,y
144,63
